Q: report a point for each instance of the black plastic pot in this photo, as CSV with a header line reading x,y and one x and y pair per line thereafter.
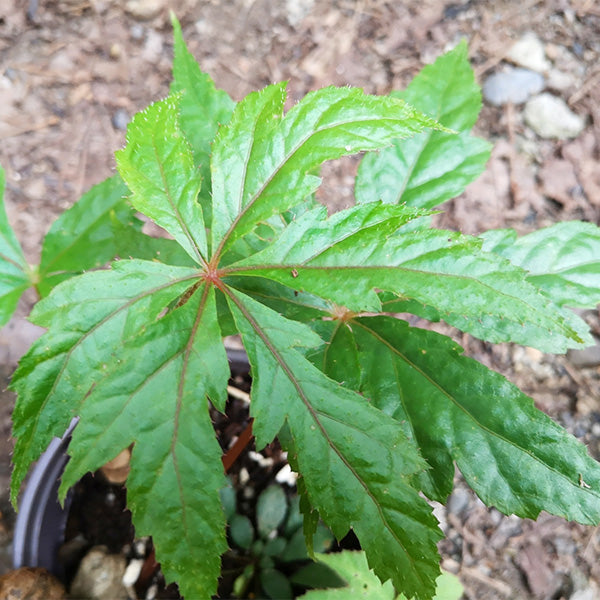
x,y
41,520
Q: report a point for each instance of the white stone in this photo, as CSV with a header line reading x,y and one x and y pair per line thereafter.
x,y
529,52
144,9
560,80
551,118
512,85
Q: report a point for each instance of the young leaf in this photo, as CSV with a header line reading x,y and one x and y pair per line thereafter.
x,y
154,396
89,317
355,462
563,260
271,509
263,164
14,270
360,580
83,237
158,167
203,110
477,292
434,166
455,409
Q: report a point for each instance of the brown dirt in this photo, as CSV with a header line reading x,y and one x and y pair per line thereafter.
x,y
74,68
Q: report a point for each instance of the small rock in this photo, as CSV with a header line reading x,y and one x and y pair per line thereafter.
x,y
144,9
587,594
31,583
560,80
297,9
512,85
458,502
100,575
586,357
137,32
550,117
529,52
564,546
120,119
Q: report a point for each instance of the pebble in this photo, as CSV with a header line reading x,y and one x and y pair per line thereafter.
x,y
100,575
551,118
120,119
297,10
586,357
513,85
587,594
458,501
529,52
560,80
31,583
144,10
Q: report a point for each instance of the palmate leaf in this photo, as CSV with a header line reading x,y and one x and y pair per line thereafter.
x,y
457,410
89,317
263,163
434,166
158,167
99,227
14,270
203,110
154,397
478,292
563,260
355,462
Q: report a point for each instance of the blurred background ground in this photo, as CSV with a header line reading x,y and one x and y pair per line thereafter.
x,y
73,72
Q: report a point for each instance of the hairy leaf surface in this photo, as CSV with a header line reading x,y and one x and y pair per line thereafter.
x,y
433,166
563,260
154,396
477,292
355,461
455,409
14,277
89,316
158,167
264,163
203,109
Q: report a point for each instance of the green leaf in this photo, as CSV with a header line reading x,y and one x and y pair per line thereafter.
x,y
203,110
14,270
360,580
296,547
344,261
434,166
99,227
154,396
89,317
455,409
228,500
317,575
563,260
276,585
271,508
264,163
158,166
85,236
242,532
355,461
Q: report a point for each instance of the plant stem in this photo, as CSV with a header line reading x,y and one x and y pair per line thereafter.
x,y
233,453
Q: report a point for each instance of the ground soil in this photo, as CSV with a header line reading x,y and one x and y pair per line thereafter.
x,y
72,72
